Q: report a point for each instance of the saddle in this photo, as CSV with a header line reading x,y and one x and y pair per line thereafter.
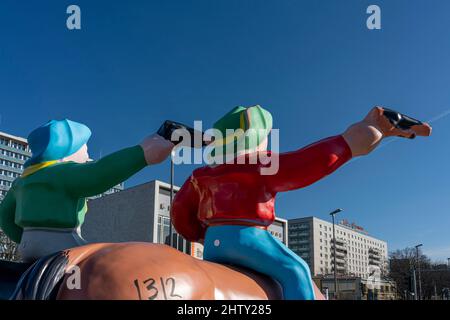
x,y
10,273
32,281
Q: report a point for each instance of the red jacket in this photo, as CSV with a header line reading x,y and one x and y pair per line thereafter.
x,y
239,194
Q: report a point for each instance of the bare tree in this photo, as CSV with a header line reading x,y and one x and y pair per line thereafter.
x,y
435,277
8,248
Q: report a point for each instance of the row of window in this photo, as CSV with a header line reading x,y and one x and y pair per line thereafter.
x,y
14,144
9,173
352,246
352,258
353,236
14,155
357,271
279,235
5,183
11,164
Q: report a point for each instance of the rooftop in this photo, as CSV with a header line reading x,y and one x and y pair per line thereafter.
x,y
9,136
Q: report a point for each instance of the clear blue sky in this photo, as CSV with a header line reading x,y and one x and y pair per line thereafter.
x,y
313,64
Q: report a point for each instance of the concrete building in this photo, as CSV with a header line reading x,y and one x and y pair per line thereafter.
x,y
357,253
141,213
357,288
279,229
14,152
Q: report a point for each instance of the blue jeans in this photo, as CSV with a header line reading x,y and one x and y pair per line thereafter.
x,y
258,250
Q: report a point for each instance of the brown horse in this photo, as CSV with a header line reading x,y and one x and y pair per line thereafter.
x,y
144,271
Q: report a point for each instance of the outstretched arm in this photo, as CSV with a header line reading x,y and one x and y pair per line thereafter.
x,y
184,213
301,168
7,217
92,178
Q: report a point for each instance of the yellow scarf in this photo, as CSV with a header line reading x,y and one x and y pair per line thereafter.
x,y
36,167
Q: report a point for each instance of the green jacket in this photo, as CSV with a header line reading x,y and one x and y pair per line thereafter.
x,y
55,196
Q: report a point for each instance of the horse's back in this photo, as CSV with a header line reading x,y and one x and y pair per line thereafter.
x,y
157,272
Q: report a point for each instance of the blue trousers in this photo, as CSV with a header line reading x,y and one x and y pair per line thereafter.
x,y
258,250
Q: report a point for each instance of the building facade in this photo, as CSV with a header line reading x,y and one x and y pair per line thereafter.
x,y
142,213
357,253
14,152
279,229
357,288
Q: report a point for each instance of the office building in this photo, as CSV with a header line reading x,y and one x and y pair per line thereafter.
x,y
357,288
142,213
357,253
14,152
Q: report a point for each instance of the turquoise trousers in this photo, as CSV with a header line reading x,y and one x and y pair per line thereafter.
x,y
258,250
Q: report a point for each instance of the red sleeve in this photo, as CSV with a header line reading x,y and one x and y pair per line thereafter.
x,y
303,167
184,213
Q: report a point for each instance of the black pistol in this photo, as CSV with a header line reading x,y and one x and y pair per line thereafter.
x,y
168,127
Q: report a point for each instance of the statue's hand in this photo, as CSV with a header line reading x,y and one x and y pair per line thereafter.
x,y
392,123
364,136
156,148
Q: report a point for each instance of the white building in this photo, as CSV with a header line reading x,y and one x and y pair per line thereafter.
x,y
357,253
14,152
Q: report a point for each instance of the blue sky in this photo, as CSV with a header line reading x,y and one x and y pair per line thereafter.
x,y
313,64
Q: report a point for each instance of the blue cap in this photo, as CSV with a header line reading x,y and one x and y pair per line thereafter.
x,y
56,139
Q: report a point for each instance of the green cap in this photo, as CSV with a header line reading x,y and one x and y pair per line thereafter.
x,y
255,124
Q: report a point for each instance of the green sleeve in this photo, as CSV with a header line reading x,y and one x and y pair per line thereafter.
x,y
7,217
92,178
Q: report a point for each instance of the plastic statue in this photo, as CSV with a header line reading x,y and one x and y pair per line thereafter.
x,y
45,208
228,207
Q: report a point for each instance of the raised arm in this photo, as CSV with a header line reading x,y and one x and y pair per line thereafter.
x,y
184,213
7,217
92,178
303,167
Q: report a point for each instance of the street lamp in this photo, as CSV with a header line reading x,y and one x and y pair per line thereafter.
x,y
418,271
172,176
336,289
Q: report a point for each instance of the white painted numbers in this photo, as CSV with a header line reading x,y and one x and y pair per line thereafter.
x,y
73,21
374,20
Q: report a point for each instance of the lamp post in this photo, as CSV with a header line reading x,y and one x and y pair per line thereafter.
x,y
172,174
336,289
419,297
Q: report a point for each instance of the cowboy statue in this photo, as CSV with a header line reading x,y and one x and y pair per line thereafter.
x,y
228,205
45,207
